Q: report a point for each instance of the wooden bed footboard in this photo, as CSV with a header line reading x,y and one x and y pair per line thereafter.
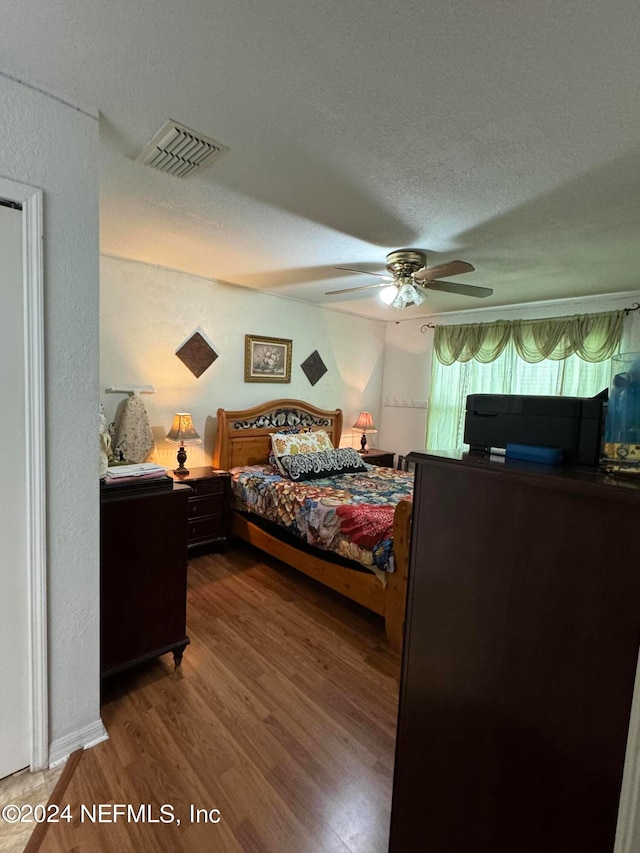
x,y
396,598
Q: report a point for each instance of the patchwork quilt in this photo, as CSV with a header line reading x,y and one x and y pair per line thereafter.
x,y
349,514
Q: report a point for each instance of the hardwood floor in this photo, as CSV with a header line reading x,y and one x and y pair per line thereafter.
x,y
282,717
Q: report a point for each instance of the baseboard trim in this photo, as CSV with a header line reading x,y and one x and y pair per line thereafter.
x,y
85,738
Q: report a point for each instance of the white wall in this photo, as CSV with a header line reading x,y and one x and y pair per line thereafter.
x,y
47,144
405,389
408,357
147,313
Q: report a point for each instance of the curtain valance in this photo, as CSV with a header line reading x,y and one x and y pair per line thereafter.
x,y
593,337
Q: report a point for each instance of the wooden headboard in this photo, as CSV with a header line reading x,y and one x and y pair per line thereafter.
x,y
244,437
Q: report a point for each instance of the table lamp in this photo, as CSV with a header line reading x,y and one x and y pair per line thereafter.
x,y
366,424
182,432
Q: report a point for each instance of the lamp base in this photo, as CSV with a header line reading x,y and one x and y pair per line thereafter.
x,y
182,458
363,443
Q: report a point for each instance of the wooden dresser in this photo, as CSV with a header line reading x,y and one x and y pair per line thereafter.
x,y
520,653
143,575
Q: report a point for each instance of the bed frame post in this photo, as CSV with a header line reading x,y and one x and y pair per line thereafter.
x,y
397,582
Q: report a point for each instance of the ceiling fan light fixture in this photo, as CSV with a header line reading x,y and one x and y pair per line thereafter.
x,y
389,294
411,279
419,296
406,289
404,292
398,302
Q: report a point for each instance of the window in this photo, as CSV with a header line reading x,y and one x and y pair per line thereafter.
x,y
508,374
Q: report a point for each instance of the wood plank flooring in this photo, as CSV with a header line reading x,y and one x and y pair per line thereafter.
x,y
282,716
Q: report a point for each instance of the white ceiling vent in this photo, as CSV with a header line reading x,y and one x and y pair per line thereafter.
x,y
180,151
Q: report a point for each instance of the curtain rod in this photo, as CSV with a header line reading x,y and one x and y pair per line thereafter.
x,y
627,311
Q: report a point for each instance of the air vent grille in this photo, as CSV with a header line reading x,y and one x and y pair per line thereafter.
x,y
180,151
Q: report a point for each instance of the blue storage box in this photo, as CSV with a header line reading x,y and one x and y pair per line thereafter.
x,y
533,453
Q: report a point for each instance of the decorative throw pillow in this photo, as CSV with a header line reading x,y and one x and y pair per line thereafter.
x,y
290,444
290,430
322,463
303,442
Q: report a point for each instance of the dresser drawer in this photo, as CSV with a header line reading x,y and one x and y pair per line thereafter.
x,y
201,507
201,530
213,486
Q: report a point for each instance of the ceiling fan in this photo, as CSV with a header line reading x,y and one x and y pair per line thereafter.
x,y
410,279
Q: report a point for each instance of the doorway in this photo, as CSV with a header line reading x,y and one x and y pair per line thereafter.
x,y
23,702
14,602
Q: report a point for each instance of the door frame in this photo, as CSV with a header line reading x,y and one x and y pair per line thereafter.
x,y
34,385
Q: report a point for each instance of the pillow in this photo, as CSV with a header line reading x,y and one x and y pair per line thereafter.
x,y
288,444
305,442
322,463
287,430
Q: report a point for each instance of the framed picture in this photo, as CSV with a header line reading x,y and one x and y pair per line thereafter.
x,y
267,359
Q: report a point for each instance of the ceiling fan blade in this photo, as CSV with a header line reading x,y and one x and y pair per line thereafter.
x,y
354,289
452,268
461,289
365,272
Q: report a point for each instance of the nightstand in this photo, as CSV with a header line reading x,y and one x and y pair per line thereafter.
x,y
208,506
383,458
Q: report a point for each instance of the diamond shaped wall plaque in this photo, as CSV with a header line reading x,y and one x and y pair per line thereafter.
x,y
196,354
314,367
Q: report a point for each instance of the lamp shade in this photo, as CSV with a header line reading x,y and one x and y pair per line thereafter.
x,y
388,294
365,422
403,292
182,430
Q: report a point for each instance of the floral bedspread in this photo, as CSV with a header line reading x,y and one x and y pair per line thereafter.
x,y
350,514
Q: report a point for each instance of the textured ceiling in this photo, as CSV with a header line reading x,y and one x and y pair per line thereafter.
x,y
503,134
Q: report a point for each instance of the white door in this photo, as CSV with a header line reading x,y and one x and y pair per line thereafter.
x,y
15,734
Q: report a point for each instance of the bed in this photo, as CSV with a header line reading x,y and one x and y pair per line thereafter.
x,y
244,439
